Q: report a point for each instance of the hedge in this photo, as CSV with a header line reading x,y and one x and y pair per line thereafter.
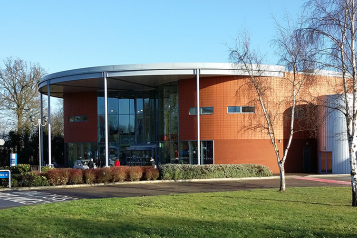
x,y
64,176
187,171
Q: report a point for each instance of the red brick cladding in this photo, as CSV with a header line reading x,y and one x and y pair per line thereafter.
x,y
80,104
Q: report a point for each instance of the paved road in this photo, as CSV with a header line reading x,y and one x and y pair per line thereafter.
x,y
20,198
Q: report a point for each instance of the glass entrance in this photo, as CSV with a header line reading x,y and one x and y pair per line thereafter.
x,y
139,155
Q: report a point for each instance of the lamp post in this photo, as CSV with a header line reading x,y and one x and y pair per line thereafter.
x,y
39,124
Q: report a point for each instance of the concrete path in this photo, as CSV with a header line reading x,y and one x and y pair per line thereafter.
x,y
24,196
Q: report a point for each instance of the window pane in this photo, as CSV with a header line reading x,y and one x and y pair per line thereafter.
x,y
123,106
206,110
113,127
100,105
248,109
112,106
132,125
101,128
84,118
139,106
71,119
233,109
124,124
193,111
132,107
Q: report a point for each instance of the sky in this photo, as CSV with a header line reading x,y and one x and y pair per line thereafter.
x,y
68,34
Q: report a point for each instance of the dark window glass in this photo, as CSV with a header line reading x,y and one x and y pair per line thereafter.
x,y
203,110
206,110
248,109
193,111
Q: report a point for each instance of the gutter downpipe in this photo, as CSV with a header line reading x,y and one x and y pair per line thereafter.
x,y
198,117
106,119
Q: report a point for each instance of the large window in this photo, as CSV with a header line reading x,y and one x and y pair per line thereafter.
x,y
188,152
203,110
240,109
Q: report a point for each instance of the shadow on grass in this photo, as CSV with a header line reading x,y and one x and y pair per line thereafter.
x,y
284,201
160,226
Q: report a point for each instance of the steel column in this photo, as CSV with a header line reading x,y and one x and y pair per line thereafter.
x,y
198,117
106,119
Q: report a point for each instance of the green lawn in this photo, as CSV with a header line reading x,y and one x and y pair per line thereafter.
x,y
300,212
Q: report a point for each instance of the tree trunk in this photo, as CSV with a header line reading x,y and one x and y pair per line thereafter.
x,y
282,176
353,173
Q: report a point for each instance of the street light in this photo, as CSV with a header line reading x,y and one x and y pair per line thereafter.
x,y
39,124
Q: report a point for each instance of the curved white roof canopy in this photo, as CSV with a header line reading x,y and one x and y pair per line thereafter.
x,y
139,77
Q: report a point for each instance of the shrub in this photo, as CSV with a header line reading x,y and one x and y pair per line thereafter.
x,y
119,173
135,173
152,173
186,171
44,169
76,176
58,176
89,176
20,169
103,175
33,180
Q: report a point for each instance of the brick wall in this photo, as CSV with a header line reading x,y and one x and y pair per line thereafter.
x,y
235,140
80,104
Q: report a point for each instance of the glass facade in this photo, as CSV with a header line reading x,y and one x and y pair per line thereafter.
x,y
142,125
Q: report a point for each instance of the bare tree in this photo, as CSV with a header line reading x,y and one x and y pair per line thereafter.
x,y
19,94
332,25
57,120
293,49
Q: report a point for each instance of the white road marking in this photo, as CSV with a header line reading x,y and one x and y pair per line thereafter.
x,y
33,197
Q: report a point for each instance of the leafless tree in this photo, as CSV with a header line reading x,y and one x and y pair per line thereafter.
x,y
332,25
19,94
57,123
293,50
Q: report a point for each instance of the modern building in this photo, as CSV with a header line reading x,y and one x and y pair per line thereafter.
x,y
140,111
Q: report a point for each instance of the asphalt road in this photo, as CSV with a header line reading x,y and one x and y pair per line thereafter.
x,y
13,198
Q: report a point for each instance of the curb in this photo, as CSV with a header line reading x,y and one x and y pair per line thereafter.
x,y
135,182
169,181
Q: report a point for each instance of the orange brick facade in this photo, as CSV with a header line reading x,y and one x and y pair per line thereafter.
x,y
236,138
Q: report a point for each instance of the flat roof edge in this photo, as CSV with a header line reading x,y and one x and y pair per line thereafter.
x,y
161,66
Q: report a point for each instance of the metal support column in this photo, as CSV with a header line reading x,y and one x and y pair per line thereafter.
x,y
106,119
41,133
49,122
198,117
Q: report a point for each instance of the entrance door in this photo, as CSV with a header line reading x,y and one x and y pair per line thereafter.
x,y
307,159
325,162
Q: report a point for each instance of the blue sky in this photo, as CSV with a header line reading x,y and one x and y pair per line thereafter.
x,y
68,34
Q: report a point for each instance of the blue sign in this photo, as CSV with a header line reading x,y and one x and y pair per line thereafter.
x,y
4,174
13,159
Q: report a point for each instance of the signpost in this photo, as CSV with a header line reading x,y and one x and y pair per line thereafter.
x,y
13,160
6,174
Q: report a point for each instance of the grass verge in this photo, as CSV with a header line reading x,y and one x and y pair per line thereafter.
x,y
300,212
